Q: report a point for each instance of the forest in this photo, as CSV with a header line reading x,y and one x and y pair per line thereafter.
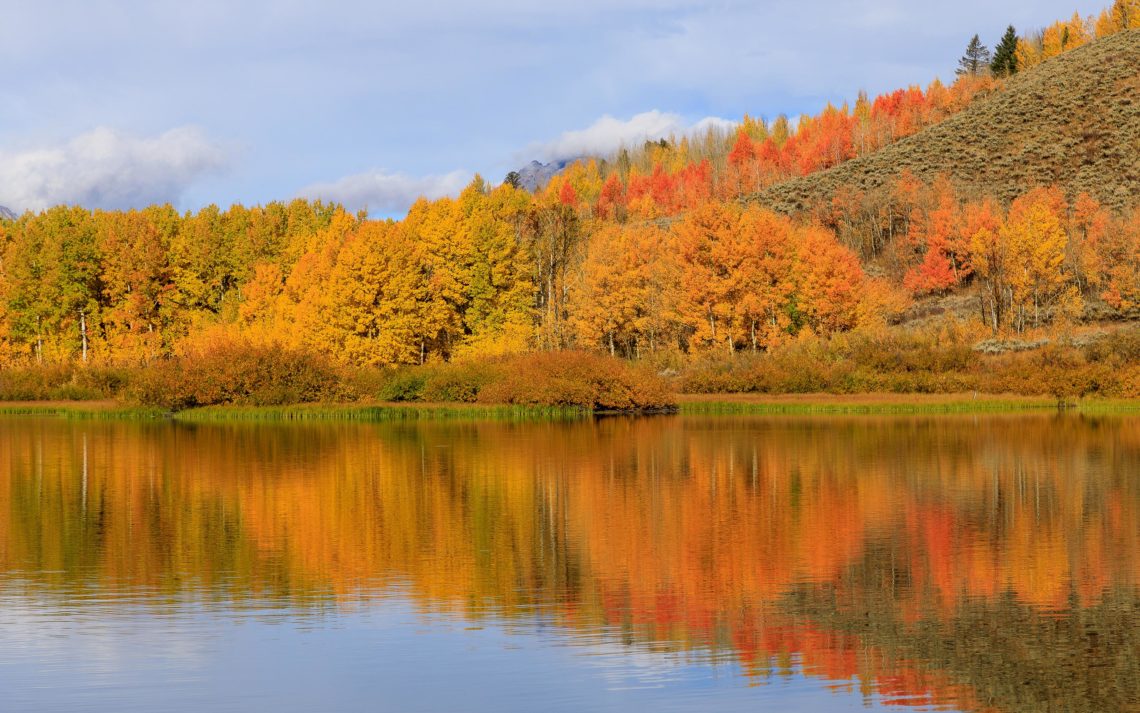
x,y
659,255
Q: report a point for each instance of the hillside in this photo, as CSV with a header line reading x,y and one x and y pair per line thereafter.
x,y
1073,120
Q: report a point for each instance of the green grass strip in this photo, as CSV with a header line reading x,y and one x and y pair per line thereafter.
x,y
303,412
380,413
515,413
713,407
77,411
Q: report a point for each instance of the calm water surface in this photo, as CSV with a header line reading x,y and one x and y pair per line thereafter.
x,y
672,564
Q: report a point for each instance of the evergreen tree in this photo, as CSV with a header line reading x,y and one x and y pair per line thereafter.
x,y
1005,55
976,59
513,179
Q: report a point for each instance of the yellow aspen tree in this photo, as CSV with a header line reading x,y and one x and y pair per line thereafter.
x,y
829,280
1088,224
1121,255
259,314
1029,53
1040,287
441,257
617,304
989,257
302,300
370,309
499,315
136,281
767,268
1126,14
710,281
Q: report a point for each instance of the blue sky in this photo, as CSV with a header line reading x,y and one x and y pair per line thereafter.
x,y
114,103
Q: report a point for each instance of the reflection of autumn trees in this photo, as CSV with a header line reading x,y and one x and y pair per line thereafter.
x,y
858,549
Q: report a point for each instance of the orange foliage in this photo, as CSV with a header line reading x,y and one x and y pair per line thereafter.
x,y
693,537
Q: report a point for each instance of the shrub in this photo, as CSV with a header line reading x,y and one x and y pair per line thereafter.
x,y
61,382
570,378
462,382
1120,347
1063,373
899,361
241,374
575,378
32,383
401,384
579,379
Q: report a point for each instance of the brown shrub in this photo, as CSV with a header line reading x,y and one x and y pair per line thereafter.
x,y
903,362
61,382
576,378
569,378
241,374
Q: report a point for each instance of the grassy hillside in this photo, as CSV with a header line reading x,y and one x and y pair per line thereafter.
x,y
1074,121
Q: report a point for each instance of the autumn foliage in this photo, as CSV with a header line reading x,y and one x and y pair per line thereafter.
x,y
576,379
654,254
242,374
897,556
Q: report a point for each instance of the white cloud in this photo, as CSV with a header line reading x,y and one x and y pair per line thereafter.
x,y
387,193
108,169
607,135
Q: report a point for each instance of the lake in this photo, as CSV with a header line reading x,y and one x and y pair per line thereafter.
x,y
673,563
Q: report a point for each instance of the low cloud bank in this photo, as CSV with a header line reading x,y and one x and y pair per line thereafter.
x,y
387,193
105,168
608,134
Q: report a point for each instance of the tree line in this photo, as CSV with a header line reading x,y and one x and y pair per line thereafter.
x,y
647,251
498,270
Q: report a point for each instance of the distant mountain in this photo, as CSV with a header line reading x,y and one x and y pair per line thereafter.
x,y
1073,121
535,175
6,214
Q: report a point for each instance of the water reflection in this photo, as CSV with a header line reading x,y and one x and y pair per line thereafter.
x,y
955,562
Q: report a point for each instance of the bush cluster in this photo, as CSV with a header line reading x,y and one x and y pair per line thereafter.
x,y
925,362
61,383
567,378
945,361
240,374
245,374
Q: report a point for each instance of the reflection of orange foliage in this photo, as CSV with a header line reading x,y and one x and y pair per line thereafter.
x,y
687,532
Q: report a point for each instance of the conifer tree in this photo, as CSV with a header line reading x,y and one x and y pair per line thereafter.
x,y
1005,55
976,59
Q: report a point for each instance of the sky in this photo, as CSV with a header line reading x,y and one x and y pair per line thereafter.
x,y
120,103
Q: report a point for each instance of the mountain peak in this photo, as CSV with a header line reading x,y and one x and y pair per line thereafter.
x,y
536,174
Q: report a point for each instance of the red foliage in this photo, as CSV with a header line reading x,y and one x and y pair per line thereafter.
x,y
743,151
567,195
611,198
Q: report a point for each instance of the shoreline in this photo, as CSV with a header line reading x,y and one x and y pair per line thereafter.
x,y
736,404
881,403
348,412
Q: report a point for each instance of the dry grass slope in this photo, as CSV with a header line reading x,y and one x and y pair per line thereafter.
x,y
1073,120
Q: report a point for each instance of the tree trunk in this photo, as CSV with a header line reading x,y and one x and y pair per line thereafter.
x,y
83,332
